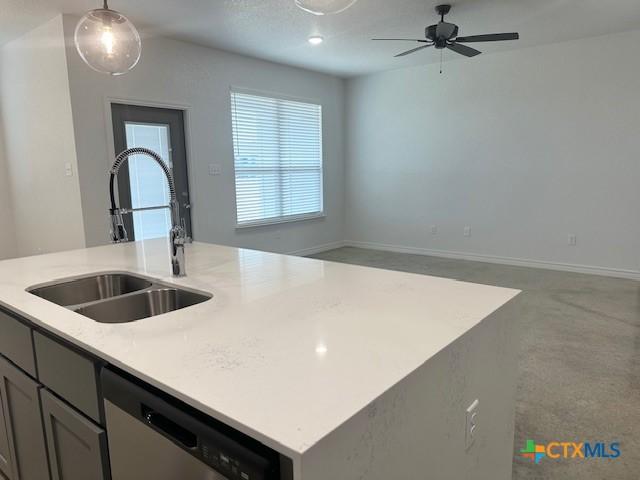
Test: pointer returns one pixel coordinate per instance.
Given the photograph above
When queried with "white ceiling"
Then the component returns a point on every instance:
(277, 30)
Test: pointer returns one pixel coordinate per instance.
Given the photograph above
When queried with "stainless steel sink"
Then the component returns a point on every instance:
(141, 305)
(119, 297)
(91, 289)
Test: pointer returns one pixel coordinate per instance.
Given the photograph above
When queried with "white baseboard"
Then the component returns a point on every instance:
(519, 262)
(317, 249)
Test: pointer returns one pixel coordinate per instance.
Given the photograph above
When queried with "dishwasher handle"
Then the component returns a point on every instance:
(169, 428)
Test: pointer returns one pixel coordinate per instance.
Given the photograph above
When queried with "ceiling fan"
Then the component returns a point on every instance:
(445, 35)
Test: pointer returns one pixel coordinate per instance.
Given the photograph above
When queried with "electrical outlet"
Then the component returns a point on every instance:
(434, 229)
(471, 424)
(215, 169)
(68, 169)
(572, 240)
(467, 231)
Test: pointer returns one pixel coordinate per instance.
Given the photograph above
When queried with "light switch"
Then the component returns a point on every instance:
(68, 169)
(215, 169)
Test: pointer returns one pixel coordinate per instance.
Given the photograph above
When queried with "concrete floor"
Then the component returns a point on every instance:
(579, 364)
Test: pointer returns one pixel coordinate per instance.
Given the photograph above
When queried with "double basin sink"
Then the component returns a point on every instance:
(118, 297)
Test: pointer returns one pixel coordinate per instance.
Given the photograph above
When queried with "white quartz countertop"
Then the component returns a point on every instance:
(287, 349)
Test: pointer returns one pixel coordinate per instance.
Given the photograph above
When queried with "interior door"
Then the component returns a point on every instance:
(142, 184)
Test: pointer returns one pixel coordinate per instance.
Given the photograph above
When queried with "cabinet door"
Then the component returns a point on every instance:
(77, 446)
(23, 420)
(5, 452)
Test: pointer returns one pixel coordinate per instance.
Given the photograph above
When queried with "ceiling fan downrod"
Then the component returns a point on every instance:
(442, 10)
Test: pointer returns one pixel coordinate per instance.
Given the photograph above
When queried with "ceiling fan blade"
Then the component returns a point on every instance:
(408, 52)
(491, 37)
(464, 50)
(401, 39)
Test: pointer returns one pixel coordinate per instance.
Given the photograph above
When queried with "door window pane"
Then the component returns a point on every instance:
(147, 180)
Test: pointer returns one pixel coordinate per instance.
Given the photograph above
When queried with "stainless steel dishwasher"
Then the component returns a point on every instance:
(153, 436)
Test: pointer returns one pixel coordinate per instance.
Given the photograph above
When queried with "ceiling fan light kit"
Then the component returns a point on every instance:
(107, 41)
(445, 35)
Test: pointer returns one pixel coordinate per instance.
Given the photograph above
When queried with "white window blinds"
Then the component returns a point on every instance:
(277, 148)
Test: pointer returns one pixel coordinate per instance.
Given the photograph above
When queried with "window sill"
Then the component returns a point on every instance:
(276, 221)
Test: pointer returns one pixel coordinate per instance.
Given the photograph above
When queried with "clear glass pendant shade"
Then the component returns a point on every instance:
(107, 41)
(324, 7)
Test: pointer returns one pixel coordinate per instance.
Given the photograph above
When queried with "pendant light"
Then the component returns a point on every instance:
(324, 7)
(107, 41)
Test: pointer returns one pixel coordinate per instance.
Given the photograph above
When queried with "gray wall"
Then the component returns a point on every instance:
(7, 232)
(526, 147)
(198, 78)
(38, 136)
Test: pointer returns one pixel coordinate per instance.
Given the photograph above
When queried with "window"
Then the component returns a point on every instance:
(147, 182)
(277, 148)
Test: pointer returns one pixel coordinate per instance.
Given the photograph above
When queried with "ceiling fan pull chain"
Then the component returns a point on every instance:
(441, 54)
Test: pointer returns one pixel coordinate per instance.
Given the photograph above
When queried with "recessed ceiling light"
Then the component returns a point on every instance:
(315, 40)
(321, 349)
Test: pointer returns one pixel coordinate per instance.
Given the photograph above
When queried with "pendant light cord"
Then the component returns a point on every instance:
(105, 6)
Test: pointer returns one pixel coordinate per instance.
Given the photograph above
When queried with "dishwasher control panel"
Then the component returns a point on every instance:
(233, 466)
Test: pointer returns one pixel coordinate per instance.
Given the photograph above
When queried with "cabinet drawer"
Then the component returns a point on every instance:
(16, 343)
(69, 374)
(77, 447)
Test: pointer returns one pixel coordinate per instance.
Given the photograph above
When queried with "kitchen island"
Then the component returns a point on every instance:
(350, 372)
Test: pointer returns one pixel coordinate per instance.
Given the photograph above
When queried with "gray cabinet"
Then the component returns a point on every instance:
(23, 424)
(77, 446)
(42, 383)
(6, 466)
